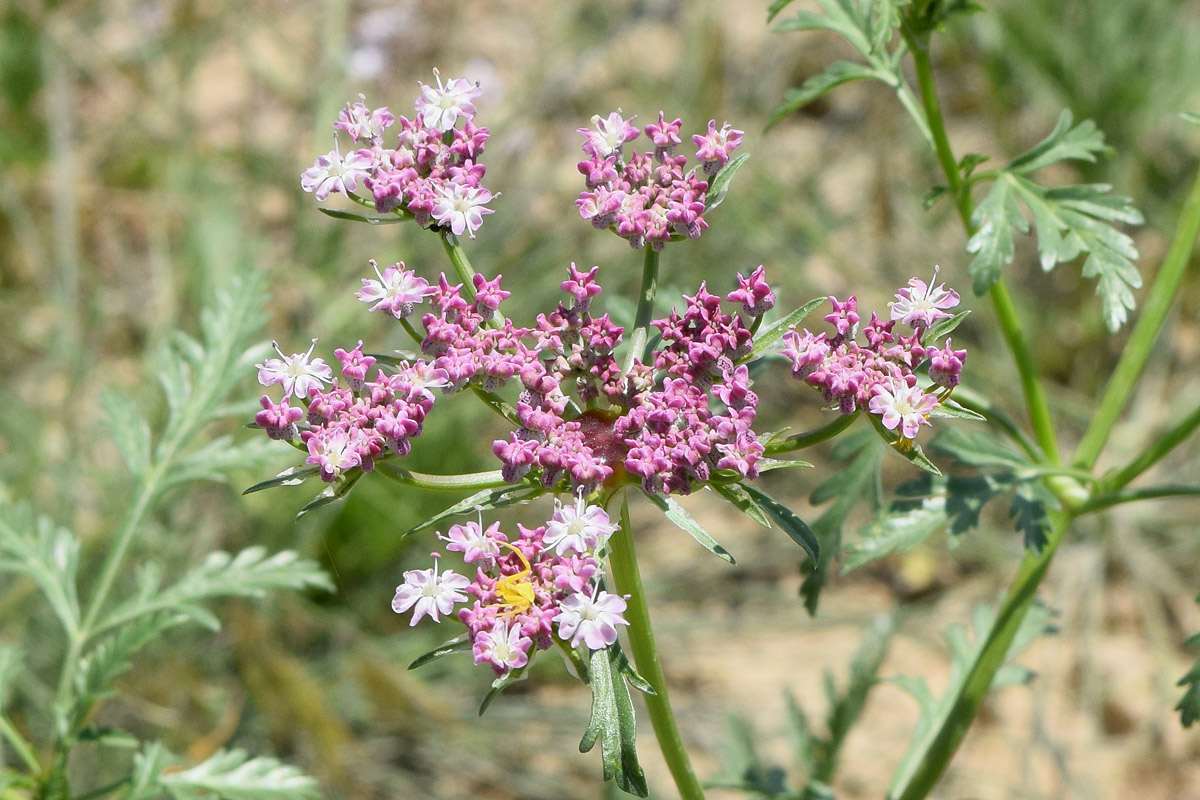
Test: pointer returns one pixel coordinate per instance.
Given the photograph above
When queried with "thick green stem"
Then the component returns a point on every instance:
(1152, 454)
(1012, 612)
(1006, 313)
(628, 580)
(1145, 332)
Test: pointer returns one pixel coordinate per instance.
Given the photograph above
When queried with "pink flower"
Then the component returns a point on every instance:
(902, 406)
(591, 620)
(333, 173)
(333, 450)
(714, 147)
(441, 107)
(461, 207)
(504, 647)
(920, 304)
(428, 594)
(398, 290)
(578, 527)
(297, 374)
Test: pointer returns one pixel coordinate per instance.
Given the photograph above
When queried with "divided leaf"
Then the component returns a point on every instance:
(1189, 704)
(49, 555)
(232, 775)
(613, 722)
(128, 431)
(1070, 221)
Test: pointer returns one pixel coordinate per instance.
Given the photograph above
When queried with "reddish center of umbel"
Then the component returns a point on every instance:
(596, 425)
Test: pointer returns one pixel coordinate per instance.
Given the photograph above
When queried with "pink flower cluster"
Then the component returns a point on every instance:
(660, 424)
(349, 426)
(544, 582)
(648, 197)
(433, 171)
(881, 375)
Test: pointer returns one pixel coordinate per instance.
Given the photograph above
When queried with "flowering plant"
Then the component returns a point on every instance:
(664, 406)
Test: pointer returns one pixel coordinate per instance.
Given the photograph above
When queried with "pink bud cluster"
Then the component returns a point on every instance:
(543, 583)
(881, 376)
(432, 172)
(648, 196)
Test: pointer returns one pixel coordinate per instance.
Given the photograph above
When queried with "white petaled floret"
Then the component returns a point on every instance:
(441, 107)
(428, 594)
(591, 619)
(473, 541)
(334, 173)
(904, 407)
(299, 373)
(397, 291)
(579, 527)
(504, 646)
(461, 207)
(920, 305)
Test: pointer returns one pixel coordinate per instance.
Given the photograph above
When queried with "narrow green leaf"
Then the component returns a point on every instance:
(719, 186)
(233, 775)
(950, 408)
(292, 476)
(768, 337)
(499, 685)
(11, 661)
(128, 431)
(776, 7)
(678, 515)
(836, 74)
(1186, 116)
(1189, 704)
(912, 452)
(737, 496)
(332, 492)
(944, 327)
(458, 645)
(796, 528)
(612, 721)
(481, 501)
(631, 675)
(352, 217)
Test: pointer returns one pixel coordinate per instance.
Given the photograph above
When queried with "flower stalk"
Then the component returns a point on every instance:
(624, 567)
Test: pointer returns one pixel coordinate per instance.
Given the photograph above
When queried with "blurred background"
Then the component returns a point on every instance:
(148, 150)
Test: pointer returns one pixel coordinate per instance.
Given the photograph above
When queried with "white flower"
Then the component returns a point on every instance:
(503, 646)
(332, 173)
(296, 372)
(920, 304)
(591, 620)
(427, 594)
(577, 527)
(473, 542)
(460, 207)
(397, 291)
(441, 107)
(903, 407)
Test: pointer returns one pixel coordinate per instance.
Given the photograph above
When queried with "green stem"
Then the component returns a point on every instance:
(443, 483)
(800, 441)
(1152, 454)
(645, 308)
(19, 745)
(462, 265)
(958, 720)
(628, 580)
(1145, 332)
(1103, 501)
(1006, 312)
